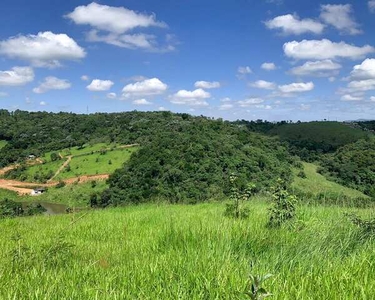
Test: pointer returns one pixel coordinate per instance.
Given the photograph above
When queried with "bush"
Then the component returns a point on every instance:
(284, 205)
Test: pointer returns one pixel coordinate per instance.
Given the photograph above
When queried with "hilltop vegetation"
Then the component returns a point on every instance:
(354, 166)
(194, 161)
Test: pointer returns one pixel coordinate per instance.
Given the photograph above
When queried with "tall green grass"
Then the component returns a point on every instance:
(184, 252)
(3, 144)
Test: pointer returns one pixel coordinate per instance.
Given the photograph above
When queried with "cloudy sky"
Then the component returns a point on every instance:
(245, 59)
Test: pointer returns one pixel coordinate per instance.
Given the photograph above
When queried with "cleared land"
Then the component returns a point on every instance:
(184, 252)
(316, 186)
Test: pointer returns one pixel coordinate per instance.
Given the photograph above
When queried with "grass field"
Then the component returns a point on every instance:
(87, 149)
(184, 252)
(87, 161)
(75, 195)
(316, 185)
(97, 163)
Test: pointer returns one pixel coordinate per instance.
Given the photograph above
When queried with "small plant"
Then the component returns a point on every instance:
(110, 162)
(255, 289)
(60, 184)
(235, 208)
(365, 226)
(284, 205)
(302, 174)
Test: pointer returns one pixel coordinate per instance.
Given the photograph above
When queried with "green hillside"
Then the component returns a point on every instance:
(312, 138)
(315, 188)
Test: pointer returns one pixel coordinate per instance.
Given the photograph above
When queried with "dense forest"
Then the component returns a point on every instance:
(186, 158)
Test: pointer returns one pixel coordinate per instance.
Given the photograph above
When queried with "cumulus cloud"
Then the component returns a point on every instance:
(147, 87)
(42, 103)
(325, 49)
(98, 85)
(16, 76)
(268, 66)
(262, 84)
(111, 95)
(45, 49)
(292, 24)
(348, 97)
(361, 85)
(371, 5)
(366, 70)
(141, 102)
(372, 98)
(321, 68)
(340, 17)
(85, 78)
(112, 25)
(52, 83)
(207, 84)
(296, 87)
(250, 102)
(192, 98)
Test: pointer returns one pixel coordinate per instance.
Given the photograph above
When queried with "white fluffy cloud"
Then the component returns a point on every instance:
(372, 98)
(325, 49)
(250, 102)
(348, 97)
(366, 70)
(340, 17)
(207, 84)
(113, 19)
(147, 87)
(268, 66)
(45, 49)
(85, 78)
(192, 98)
(112, 25)
(16, 76)
(296, 87)
(43, 103)
(292, 24)
(98, 85)
(371, 5)
(111, 95)
(262, 84)
(361, 85)
(141, 102)
(52, 83)
(321, 68)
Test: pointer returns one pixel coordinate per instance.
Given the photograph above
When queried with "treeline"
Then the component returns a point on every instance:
(353, 165)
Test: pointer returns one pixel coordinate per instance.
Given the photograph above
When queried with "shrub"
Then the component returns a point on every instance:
(284, 205)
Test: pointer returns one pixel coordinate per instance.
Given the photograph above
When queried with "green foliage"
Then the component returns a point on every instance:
(192, 161)
(10, 209)
(238, 197)
(54, 156)
(60, 184)
(354, 166)
(256, 291)
(367, 227)
(284, 205)
(302, 174)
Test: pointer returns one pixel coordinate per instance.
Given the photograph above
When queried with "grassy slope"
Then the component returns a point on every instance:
(183, 252)
(78, 151)
(97, 163)
(76, 195)
(2, 144)
(85, 164)
(316, 183)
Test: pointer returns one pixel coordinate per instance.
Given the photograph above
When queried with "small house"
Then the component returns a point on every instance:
(38, 191)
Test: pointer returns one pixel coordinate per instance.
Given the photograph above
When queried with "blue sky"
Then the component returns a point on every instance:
(246, 59)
